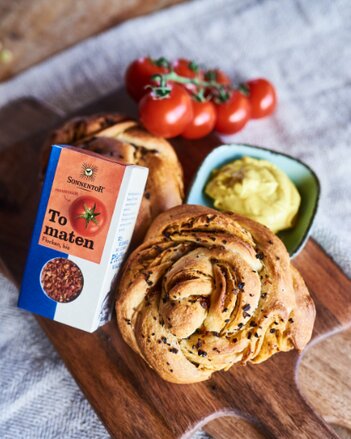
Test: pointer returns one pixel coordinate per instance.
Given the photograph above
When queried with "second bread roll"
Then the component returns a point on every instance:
(125, 140)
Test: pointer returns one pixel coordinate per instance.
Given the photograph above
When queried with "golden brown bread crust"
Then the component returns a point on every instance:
(122, 138)
(207, 290)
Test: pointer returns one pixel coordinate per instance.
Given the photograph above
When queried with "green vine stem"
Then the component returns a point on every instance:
(162, 89)
(173, 76)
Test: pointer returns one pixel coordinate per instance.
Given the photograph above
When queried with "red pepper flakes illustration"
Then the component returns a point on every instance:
(62, 280)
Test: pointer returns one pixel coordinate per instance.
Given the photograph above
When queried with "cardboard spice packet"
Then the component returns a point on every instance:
(84, 224)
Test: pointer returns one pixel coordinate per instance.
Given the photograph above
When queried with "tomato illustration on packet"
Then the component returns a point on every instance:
(87, 215)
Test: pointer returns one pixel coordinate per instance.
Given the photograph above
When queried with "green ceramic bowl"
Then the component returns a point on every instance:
(303, 177)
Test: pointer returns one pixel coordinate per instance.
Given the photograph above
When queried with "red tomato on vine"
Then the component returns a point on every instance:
(262, 97)
(166, 116)
(139, 73)
(203, 122)
(219, 76)
(188, 69)
(233, 114)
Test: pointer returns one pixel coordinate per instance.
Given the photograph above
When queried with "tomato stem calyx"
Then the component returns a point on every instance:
(89, 215)
(193, 66)
(199, 96)
(161, 90)
(222, 95)
(162, 62)
(244, 89)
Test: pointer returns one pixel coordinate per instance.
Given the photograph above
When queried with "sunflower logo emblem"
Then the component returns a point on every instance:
(88, 171)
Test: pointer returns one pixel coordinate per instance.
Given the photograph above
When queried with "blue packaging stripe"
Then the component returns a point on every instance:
(32, 296)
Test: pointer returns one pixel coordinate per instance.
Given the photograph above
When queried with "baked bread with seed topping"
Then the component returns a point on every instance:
(207, 290)
(116, 136)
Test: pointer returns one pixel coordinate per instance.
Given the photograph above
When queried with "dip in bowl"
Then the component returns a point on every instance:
(299, 173)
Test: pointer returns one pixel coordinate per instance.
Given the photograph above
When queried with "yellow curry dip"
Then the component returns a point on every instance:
(256, 189)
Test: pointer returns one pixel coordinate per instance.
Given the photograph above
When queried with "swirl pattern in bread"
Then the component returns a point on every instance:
(207, 290)
(115, 136)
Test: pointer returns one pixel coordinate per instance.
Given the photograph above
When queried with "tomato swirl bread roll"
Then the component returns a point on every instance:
(116, 136)
(207, 290)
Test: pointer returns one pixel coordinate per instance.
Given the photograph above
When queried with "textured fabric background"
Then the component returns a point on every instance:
(304, 47)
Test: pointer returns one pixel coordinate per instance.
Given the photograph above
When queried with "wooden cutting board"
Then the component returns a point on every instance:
(132, 401)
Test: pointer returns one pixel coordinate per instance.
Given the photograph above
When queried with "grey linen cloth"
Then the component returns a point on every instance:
(303, 47)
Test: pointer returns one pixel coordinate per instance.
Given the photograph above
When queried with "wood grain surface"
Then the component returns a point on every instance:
(132, 401)
(31, 31)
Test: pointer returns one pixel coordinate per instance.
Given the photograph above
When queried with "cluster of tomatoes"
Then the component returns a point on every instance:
(180, 98)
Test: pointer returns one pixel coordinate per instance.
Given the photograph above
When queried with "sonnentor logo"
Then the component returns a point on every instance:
(88, 171)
